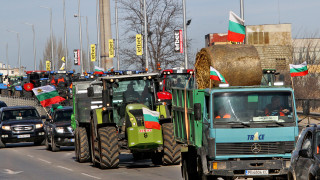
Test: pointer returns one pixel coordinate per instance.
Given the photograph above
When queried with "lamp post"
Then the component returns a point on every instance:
(7, 59)
(185, 35)
(80, 34)
(50, 35)
(117, 34)
(98, 32)
(19, 57)
(34, 45)
(65, 33)
(87, 33)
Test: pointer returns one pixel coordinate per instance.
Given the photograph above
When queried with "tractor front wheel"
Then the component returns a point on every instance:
(83, 148)
(171, 149)
(109, 148)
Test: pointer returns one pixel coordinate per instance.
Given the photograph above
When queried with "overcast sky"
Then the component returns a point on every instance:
(208, 16)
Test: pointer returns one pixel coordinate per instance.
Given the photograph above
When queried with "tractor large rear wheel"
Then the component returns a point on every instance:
(171, 149)
(83, 148)
(109, 148)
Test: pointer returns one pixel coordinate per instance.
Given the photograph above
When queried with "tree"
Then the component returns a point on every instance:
(163, 17)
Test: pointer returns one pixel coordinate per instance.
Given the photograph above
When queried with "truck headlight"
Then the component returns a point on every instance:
(7, 128)
(59, 129)
(38, 126)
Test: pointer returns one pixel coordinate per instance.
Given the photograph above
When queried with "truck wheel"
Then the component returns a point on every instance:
(109, 147)
(84, 152)
(54, 147)
(95, 150)
(171, 149)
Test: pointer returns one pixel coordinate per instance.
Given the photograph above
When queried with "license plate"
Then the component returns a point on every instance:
(257, 172)
(147, 130)
(24, 136)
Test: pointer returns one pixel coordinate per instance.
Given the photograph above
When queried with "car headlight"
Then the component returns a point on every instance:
(59, 129)
(39, 126)
(7, 128)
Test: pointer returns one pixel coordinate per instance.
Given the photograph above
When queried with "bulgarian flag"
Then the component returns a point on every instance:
(151, 119)
(96, 68)
(215, 75)
(299, 70)
(236, 31)
(47, 95)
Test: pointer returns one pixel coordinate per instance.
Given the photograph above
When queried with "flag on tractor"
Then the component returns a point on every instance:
(299, 70)
(236, 30)
(151, 119)
(215, 75)
(47, 95)
(96, 68)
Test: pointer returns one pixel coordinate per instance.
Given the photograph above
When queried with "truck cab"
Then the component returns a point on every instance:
(236, 131)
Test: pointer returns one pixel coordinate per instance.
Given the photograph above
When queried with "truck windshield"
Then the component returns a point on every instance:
(253, 107)
(133, 91)
(20, 114)
(178, 80)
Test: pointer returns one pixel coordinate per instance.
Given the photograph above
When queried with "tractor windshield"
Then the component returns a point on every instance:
(253, 107)
(177, 80)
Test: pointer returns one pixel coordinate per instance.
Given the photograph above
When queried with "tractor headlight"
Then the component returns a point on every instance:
(59, 129)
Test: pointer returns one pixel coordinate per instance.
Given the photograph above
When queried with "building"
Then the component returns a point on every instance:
(12, 71)
(216, 38)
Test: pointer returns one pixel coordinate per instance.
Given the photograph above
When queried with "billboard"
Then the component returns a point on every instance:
(139, 44)
(93, 52)
(111, 48)
(76, 54)
(48, 66)
(178, 43)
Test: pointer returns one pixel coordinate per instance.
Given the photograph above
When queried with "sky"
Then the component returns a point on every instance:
(208, 16)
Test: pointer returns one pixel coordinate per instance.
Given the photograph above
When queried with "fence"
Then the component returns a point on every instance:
(20, 101)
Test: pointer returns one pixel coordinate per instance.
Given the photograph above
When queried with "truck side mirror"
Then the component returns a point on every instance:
(197, 111)
(90, 92)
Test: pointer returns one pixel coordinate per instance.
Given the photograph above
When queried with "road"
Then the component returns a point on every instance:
(27, 162)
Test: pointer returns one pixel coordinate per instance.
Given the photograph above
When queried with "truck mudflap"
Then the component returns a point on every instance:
(249, 168)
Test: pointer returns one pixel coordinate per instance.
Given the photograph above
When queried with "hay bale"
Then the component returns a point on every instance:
(239, 64)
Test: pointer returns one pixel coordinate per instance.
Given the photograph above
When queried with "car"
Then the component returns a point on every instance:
(305, 158)
(20, 124)
(3, 104)
(58, 131)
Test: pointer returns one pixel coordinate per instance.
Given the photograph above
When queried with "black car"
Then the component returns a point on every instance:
(305, 159)
(58, 131)
(20, 124)
(2, 104)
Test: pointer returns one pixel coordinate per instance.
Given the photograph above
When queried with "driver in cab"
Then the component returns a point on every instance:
(222, 114)
(130, 94)
(275, 108)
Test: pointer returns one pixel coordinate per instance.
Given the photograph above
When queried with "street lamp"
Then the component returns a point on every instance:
(19, 57)
(80, 34)
(185, 35)
(50, 34)
(65, 33)
(34, 45)
(88, 48)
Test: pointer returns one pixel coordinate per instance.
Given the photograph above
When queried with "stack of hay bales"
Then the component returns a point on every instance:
(239, 64)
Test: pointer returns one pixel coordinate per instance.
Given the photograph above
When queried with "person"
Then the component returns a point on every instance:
(179, 84)
(275, 108)
(222, 114)
(145, 95)
(130, 94)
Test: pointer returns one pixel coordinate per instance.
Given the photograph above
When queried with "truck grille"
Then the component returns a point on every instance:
(254, 148)
(24, 128)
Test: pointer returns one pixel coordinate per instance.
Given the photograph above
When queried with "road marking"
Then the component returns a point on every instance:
(90, 176)
(64, 168)
(8, 171)
(45, 161)
(31, 156)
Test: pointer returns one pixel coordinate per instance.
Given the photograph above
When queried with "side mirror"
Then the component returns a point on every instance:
(305, 153)
(197, 111)
(90, 92)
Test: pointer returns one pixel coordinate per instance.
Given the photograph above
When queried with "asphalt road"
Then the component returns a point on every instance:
(24, 161)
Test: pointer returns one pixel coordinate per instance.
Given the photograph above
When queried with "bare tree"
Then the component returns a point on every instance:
(163, 17)
(58, 53)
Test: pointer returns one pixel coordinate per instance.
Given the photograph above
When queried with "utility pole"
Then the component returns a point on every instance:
(241, 10)
(80, 38)
(105, 33)
(98, 33)
(145, 34)
(185, 35)
(117, 34)
(65, 33)
(7, 59)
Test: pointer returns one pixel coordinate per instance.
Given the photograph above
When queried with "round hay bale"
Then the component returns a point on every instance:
(239, 64)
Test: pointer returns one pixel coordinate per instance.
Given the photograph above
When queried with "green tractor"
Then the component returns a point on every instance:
(109, 116)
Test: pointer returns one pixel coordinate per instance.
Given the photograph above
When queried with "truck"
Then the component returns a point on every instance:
(3, 86)
(108, 116)
(230, 131)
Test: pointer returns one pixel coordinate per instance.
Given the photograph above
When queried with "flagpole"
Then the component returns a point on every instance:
(292, 83)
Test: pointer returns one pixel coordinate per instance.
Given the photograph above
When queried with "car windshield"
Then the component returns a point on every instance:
(63, 116)
(253, 107)
(20, 114)
(178, 80)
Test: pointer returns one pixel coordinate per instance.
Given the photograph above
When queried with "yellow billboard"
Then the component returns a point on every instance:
(139, 44)
(48, 66)
(111, 48)
(93, 52)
